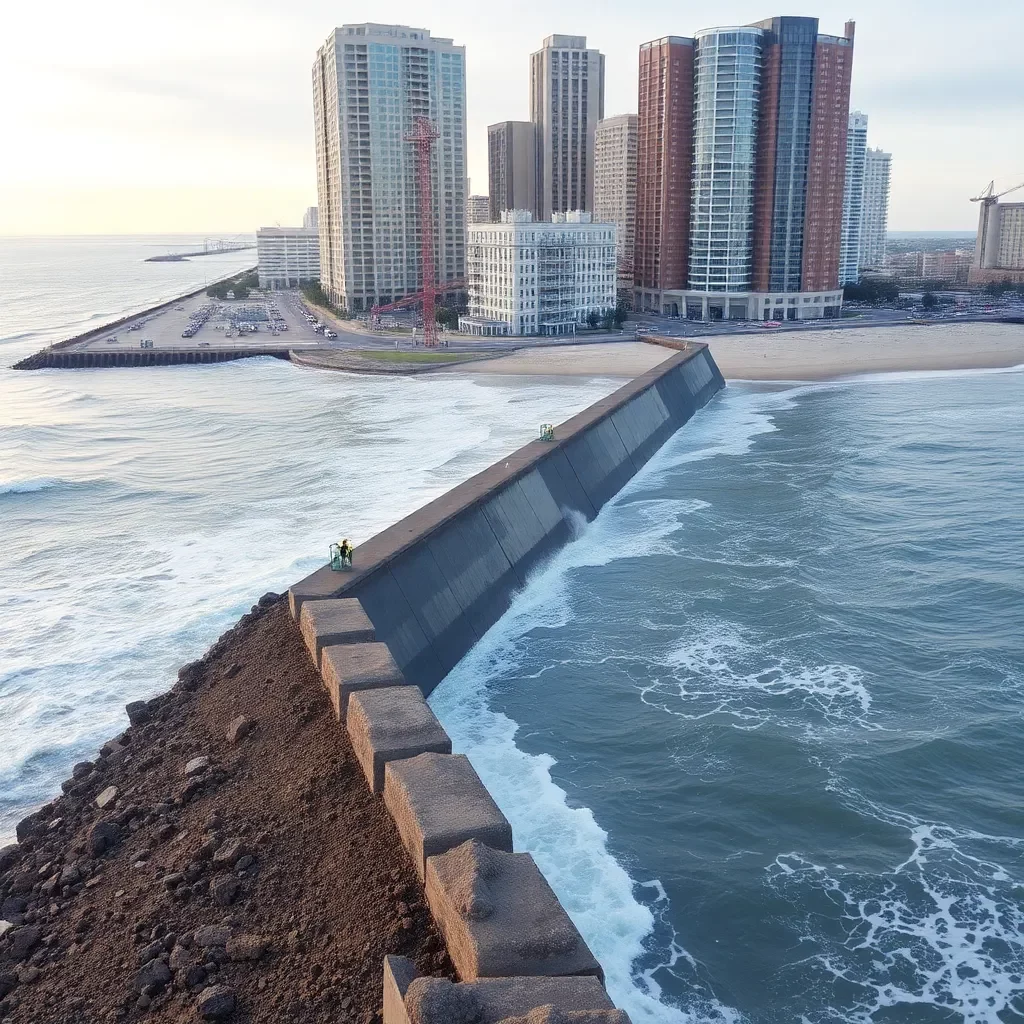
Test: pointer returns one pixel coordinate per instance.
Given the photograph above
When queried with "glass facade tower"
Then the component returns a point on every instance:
(725, 115)
(370, 83)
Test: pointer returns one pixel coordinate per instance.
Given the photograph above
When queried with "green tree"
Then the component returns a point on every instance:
(593, 318)
(929, 301)
(872, 290)
(620, 313)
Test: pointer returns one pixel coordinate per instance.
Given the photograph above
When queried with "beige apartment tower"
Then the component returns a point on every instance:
(512, 167)
(370, 83)
(615, 148)
(566, 102)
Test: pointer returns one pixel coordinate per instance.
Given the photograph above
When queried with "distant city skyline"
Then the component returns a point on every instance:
(197, 118)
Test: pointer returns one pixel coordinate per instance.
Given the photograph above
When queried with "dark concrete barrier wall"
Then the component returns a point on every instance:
(435, 582)
(65, 360)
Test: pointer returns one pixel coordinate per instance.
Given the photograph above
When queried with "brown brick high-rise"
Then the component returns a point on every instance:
(664, 164)
(826, 171)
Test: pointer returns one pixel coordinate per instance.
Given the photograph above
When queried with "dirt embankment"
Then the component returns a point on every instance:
(238, 869)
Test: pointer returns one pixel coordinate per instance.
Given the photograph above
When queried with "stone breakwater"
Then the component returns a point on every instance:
(425, 590)
(435, 582)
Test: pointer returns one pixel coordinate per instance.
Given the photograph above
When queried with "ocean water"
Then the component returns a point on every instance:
(762, 723)
(143, 510)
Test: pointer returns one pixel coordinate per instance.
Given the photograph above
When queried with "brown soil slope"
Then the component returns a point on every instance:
(263, 885)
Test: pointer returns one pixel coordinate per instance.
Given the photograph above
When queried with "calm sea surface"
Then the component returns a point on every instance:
(761, 724)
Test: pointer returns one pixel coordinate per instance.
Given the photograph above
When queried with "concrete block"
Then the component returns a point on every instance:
(500, 918)
(397, 625)
(439, 613)
(477, 570)
(334, 621)
(410, 998)
(600, 461)
(392, 724)
(398, 974)
(347, 668)
(438, 802)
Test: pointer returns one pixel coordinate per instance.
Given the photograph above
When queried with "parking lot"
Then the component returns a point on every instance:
(262, 320)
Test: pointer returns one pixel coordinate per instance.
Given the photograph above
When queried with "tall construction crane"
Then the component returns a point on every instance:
(989, 194)
(423, 136)
(986, 249)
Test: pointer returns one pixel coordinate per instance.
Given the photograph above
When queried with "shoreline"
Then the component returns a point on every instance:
(801, 356)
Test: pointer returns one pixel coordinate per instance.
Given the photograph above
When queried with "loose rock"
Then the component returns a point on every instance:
(103, 836)
(216, 1002)
(156, 974)
(212, 935)
(24, 940)
(197, 766)
(239, 728)
(108, 796)
(228, 852)
(138, 712)
(224, 889)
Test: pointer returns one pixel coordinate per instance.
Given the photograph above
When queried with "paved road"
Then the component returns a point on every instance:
(164, 329)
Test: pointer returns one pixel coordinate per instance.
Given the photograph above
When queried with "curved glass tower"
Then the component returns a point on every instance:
(727, 91)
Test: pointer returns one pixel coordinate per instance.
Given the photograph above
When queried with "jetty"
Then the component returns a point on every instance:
(216, 249)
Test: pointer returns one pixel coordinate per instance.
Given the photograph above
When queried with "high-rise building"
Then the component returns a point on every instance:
(287, 257)
(768, 121)
(853, 198)
(615, 188)
(530, 277)
(512, 167)
(661, 249)
(478, 209)
(370, 83)
(566, 102)
(875, 228)
(727, 93)
(999, 250)
(310, 219)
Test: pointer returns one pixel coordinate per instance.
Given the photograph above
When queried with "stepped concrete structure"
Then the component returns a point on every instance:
(386, 632)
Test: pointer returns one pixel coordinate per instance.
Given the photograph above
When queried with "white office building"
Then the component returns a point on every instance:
(874, 231)
(539, 277)
(370, 84)
(566, 102)
(287, 257)
(310, 218)
(615, 152)
(853, 198)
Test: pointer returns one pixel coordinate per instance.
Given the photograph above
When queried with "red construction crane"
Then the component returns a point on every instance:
(412, 300)
(423, 137)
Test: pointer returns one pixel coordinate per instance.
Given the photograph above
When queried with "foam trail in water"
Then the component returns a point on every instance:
(567, 842)
(943, 928)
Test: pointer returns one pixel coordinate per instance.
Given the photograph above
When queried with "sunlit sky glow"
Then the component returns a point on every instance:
(181, 115)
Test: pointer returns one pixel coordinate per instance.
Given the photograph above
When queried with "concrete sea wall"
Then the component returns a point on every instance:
(62, 359)
(384, 635)
(435, 582)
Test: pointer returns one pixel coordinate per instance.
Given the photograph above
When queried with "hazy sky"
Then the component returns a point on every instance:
(196, 115)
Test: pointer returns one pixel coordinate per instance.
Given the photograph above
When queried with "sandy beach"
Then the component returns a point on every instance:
(807, 355)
